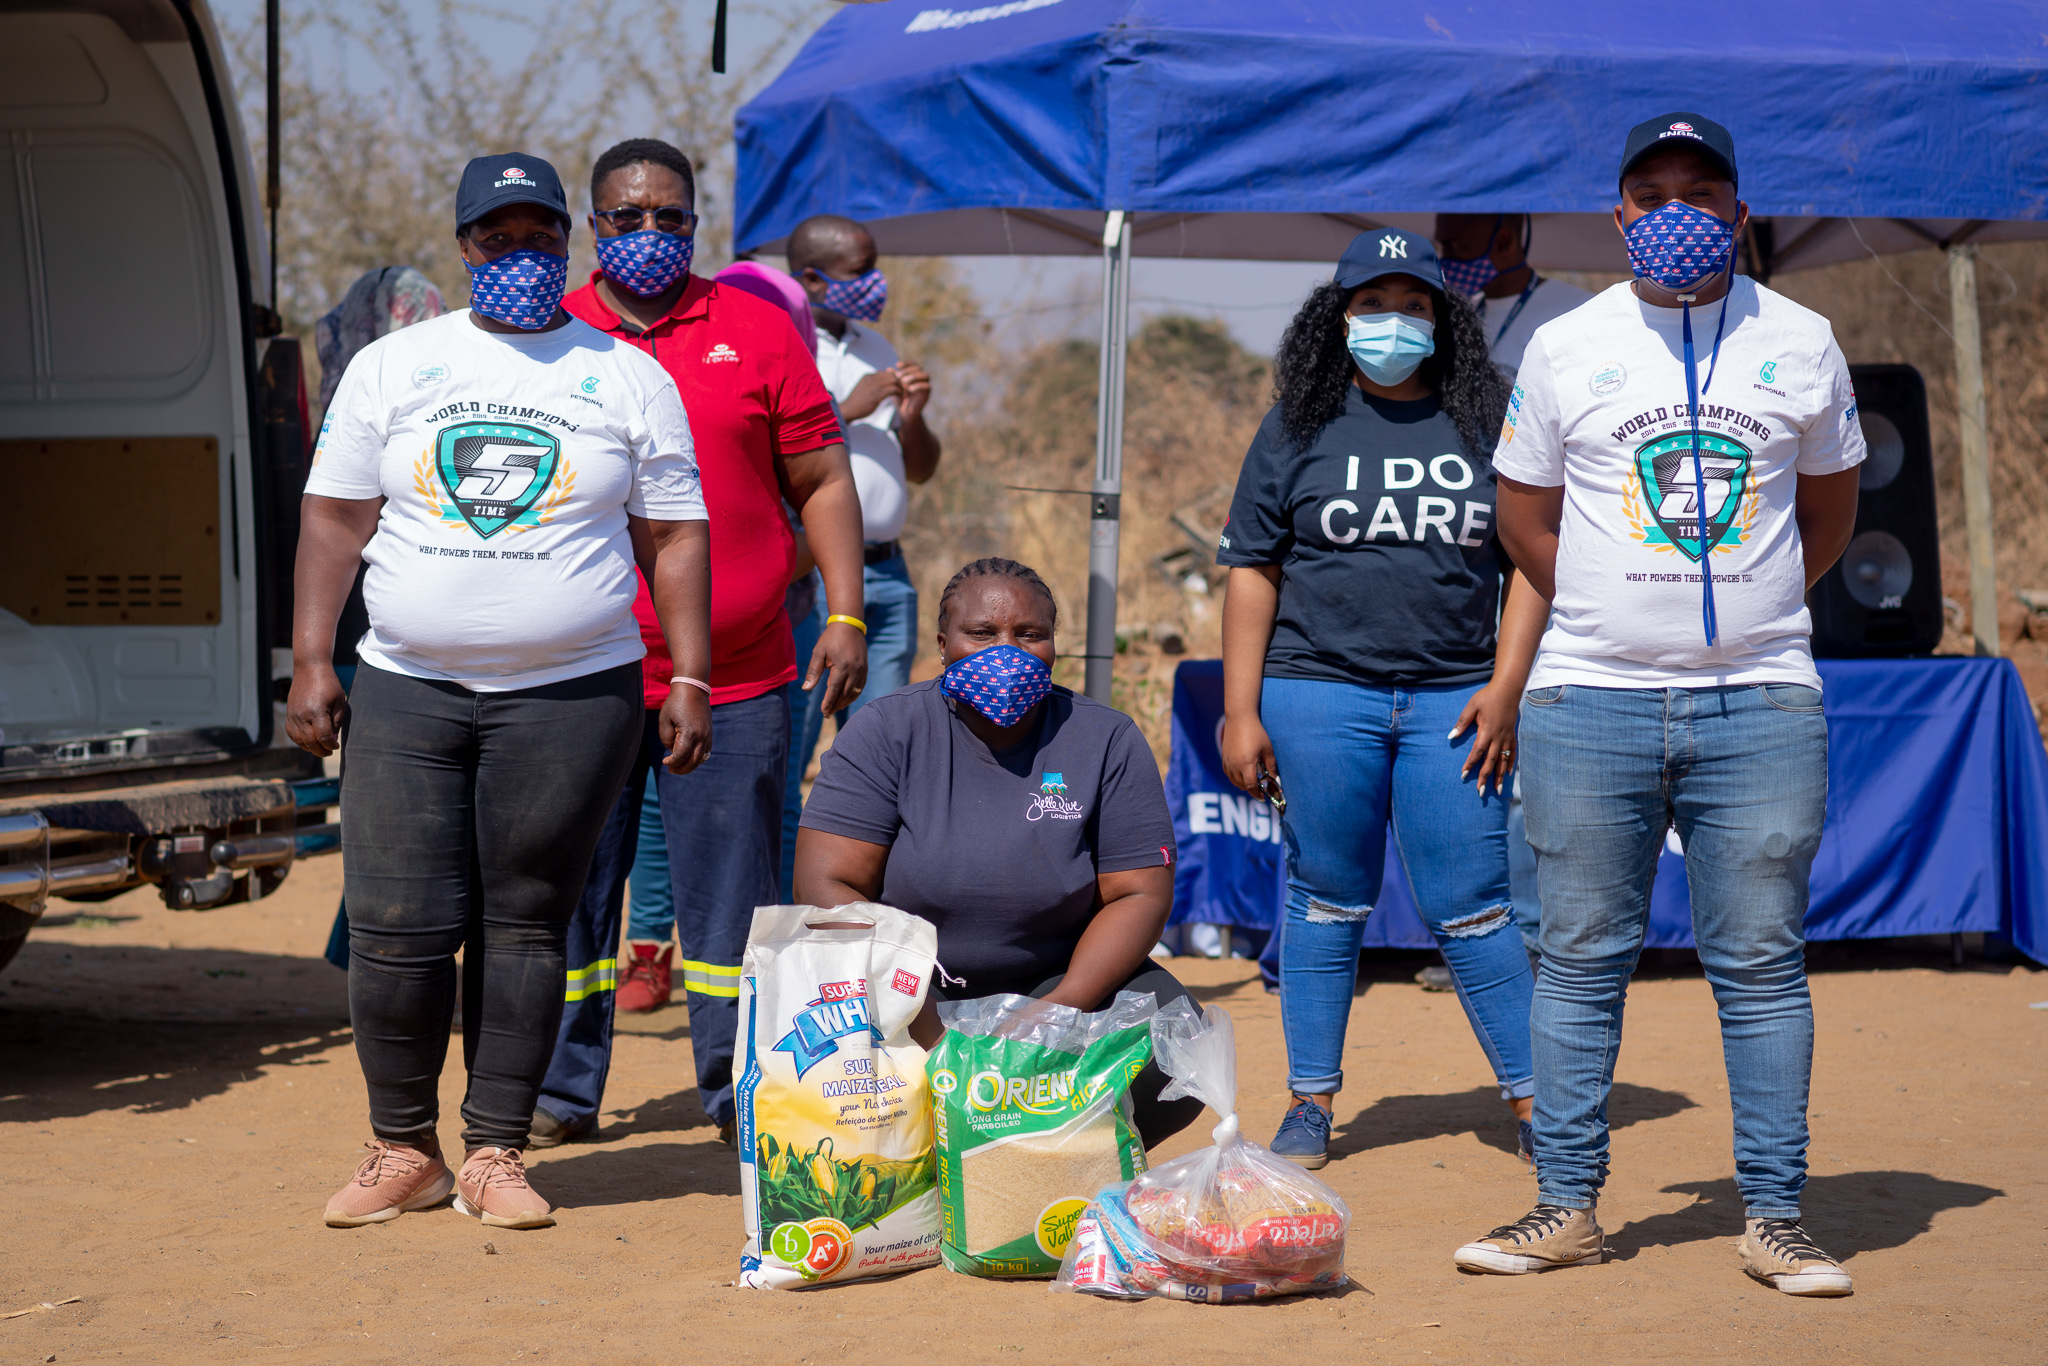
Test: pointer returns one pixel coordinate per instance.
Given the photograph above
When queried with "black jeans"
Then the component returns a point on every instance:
(471, 821)
(1157, 1120)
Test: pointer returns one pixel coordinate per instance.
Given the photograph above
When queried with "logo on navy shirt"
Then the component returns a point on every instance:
(1051, 802)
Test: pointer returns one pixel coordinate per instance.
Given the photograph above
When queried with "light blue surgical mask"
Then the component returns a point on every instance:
(1388, 346)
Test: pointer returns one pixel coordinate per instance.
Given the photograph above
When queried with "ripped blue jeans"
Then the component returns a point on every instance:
(1352, 758)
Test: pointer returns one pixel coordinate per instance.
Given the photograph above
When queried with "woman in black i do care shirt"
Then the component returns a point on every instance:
(1360, 647)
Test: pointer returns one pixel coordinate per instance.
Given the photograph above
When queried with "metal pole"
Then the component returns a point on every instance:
(273, 118)
(1976, 435)
(1106, 493)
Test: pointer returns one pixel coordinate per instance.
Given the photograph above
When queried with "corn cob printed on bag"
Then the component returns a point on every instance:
(1221, 1225)
(1031, 1112)
(835, 1134)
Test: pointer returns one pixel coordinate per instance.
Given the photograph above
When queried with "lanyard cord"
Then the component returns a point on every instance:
(1516, 312)
(1699, 478)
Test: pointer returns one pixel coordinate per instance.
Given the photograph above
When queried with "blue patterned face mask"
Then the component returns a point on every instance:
(1678, 247)
(522, 287)
(646, 262)
(1470, 274)
(1001, 682)
(1388, 346)
(861, 297)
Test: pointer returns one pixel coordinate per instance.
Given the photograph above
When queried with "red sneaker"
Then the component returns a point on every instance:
(646, 982)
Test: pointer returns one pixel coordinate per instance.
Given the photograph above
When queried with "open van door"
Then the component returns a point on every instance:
(153, 446)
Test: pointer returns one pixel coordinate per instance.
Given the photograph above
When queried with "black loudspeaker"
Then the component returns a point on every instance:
(1884, 596)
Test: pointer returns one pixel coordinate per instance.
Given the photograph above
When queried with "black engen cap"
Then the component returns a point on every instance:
(1388, 251)
(1703, 135)
(507, 178)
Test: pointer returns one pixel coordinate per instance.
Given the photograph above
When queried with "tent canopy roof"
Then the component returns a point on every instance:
(1279, 129)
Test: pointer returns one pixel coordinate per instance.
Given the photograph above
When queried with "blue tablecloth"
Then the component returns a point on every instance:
(1937, 815)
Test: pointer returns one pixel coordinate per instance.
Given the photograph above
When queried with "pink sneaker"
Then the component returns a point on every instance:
(392, 1179)
(493, 1188)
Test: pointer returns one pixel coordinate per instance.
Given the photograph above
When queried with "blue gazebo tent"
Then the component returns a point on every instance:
(1278, 130)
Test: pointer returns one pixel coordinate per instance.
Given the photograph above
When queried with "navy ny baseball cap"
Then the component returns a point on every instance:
(507, 178)
(1703, 135)
(1388, 251)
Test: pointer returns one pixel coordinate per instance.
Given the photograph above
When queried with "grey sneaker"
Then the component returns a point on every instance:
(1547, 1237)
(1525, 1142)
(1778, 1253)
(1436, 977)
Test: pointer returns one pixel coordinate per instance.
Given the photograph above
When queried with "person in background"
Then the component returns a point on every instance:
(380, 302)
(497, 706)
(764, 428)
(882, 401)
(1026, 823)
(1360, 647)
(1675, 687)
(1485, 257)
(646, 982)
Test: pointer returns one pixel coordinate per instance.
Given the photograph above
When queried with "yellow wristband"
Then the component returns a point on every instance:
(855, 622)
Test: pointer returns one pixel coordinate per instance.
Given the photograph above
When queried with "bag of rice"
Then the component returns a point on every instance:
(835, 1135)
(1221, 1225)
(1032, 1115)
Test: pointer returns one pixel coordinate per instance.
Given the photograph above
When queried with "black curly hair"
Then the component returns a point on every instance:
(1313, 370)
(994, 567)
(632, 152)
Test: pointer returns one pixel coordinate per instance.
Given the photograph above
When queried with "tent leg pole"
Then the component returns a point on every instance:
(1106, 493)
(1976, 441)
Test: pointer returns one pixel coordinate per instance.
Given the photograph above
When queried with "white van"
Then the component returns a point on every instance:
(152, 449)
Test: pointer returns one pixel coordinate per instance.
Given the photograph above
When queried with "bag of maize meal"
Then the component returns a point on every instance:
(1031, 1114)
(1222, 1225)
(835, 1136)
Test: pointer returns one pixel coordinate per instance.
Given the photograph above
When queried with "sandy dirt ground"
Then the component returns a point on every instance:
(179, 1096)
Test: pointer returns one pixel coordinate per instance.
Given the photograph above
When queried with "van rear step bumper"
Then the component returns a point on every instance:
(205, 842)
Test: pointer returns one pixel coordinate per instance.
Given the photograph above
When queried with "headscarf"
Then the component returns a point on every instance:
(777, 288)
(379, 302)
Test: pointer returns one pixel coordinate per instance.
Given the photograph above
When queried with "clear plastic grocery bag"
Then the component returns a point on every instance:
(1221, 1225)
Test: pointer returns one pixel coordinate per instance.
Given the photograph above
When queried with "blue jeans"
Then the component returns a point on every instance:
(1522, 869)
(650, 901)
(1353, 757)
(891, 615)
(1742, 772)
(806, 722)
(723, 828)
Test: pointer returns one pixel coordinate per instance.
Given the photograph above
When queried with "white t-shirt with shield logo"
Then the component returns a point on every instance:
(1600, 407)
(508, 464)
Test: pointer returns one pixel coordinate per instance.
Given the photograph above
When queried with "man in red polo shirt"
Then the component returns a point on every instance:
(765, 432)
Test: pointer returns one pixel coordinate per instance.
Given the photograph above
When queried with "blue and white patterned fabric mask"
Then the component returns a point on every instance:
(1678, 247)
(646, 262)
(1001, 682)
(1388, 346)
(523, 287)
(861, 297)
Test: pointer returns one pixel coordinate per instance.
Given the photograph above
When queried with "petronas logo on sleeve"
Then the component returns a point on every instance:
(496, 471)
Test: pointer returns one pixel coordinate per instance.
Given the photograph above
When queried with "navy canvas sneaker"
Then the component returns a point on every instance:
(1304, 1137)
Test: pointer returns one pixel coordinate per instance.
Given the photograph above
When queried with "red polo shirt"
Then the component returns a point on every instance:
(753, 394)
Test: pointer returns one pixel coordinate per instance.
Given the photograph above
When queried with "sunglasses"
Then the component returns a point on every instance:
(669, 220)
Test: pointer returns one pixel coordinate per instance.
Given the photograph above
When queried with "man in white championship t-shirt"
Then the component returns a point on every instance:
(1677, 467)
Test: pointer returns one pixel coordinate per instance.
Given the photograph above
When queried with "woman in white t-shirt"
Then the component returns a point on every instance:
(501, 470)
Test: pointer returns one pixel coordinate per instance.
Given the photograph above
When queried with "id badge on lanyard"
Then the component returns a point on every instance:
(1693, 390)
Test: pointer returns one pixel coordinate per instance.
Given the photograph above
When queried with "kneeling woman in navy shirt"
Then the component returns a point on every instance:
(1024, 821)
(1360, 648)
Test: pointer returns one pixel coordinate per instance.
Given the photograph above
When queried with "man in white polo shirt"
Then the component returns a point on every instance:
(1485, 257)
(881, 402)
(1677, 467)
